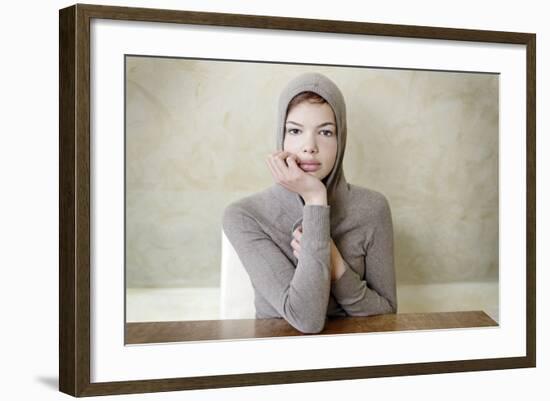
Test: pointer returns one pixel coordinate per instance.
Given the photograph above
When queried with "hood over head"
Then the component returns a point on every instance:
(324, 87)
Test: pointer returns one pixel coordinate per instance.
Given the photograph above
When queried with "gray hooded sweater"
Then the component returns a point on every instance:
(358, 220)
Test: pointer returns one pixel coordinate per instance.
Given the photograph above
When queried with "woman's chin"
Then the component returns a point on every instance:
(320, 177)
(315, 174)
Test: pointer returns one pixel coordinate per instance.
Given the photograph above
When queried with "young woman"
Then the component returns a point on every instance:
(314, 245)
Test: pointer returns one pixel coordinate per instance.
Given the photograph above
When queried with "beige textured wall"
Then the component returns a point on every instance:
(197, 133)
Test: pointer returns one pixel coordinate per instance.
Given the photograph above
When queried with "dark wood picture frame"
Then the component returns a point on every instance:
(74, 199)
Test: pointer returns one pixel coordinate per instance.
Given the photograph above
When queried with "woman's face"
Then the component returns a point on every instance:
(310, 133)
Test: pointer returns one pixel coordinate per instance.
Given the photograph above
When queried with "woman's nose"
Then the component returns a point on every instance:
(310, 145)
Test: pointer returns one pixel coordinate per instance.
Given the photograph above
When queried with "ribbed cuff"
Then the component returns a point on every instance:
(316, 223)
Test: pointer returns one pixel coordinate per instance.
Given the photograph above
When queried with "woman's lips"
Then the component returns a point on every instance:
(310, 166)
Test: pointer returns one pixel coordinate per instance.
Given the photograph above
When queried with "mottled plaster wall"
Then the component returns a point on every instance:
(197, 133)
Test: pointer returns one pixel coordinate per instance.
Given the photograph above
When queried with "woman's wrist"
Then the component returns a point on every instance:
(318, 198)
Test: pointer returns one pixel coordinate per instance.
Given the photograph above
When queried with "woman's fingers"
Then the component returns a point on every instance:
(295, 243)
(282, 172)
(283, 156)
(277, 168)
(280, 162)
(278, 165)
(287, 164)
(286, 172)
(280, 154)
(298, 233)
(296, 252)
(292, 162)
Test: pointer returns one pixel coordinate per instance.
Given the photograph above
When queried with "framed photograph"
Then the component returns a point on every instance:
(250, 200)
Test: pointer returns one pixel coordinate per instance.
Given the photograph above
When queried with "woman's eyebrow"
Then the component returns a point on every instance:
(320, 125)
(292, 122)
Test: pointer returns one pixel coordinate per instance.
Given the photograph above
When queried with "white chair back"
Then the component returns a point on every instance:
(236, 291)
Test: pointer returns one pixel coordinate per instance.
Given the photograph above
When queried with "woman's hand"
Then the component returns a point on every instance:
(286, 172)
(295, 243)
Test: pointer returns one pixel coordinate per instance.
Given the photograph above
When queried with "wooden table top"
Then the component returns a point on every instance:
(201, 330)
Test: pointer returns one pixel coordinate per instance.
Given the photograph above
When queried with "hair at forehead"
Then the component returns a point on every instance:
(308, 96)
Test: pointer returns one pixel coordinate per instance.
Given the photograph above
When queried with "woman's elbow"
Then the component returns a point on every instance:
(307, 322)
(304, 317)
(312, 326)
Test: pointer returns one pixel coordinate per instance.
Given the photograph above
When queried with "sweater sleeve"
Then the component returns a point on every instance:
(299, 294)
(377, 293)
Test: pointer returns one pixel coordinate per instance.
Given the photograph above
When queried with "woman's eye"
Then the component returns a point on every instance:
(292, 131)
(326, 132)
